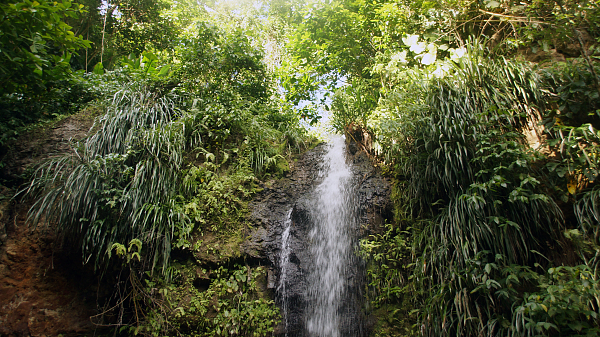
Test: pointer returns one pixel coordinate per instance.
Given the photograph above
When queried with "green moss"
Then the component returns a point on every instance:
(391, 321)
(210, 248)
(283, 167)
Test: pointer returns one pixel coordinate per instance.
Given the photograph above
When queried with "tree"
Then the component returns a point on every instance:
(36, 44)
(120, 28)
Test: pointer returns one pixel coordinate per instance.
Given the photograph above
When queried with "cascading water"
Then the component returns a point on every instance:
(330, 311)
(320, 277)
(284, 259)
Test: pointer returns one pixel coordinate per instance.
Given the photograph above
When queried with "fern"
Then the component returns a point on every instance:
(120, 183)
(456, 141)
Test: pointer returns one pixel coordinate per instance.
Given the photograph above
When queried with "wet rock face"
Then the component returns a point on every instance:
(269, 213)
(373, 194)
(270, 207)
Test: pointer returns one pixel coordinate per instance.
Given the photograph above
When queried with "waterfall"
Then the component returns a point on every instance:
(320, 277)
(284, 259)
(329, 312)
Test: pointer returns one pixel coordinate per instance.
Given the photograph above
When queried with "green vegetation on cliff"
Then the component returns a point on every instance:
(485, 114)
(157, 192)
(494, 158)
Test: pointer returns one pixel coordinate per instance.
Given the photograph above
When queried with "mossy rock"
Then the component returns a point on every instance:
(210, 248)
(283, 167)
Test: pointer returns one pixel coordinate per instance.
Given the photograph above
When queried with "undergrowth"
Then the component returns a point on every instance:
(478, 212)
(169, 167)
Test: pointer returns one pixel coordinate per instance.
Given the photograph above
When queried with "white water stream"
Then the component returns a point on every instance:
(333, 217)
(284, 263)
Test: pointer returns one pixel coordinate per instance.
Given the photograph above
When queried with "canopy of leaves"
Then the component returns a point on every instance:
(122, 28)
(36, 44)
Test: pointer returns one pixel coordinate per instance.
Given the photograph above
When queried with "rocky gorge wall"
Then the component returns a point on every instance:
(44, 289)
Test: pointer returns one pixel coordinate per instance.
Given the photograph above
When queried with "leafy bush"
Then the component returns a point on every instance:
(231, 305)
(121, 183)
(565, 305)
(475, 201)
(36, 44)
(219, 200)
(353, 104)
(389, 290)
(215, 64)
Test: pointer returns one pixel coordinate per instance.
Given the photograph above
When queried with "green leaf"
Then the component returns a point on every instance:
(164, 70)
(98, 69)
(577, 326)
(561, 171)
(552, 166)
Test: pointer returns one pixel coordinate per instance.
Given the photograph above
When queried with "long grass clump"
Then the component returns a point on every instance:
(455, 141)
(121, 182)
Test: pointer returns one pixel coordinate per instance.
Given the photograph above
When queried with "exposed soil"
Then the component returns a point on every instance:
(44, 289)
(41, 143)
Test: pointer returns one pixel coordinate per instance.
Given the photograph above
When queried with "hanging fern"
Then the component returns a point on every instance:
(456, 142)
(120, 183)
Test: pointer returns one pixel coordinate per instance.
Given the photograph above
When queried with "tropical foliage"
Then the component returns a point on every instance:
(232, 305)
(173, 157)
(36, 48)
(493, 158)
(36, 44)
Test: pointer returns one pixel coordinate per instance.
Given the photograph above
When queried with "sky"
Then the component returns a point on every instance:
(105, 6)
